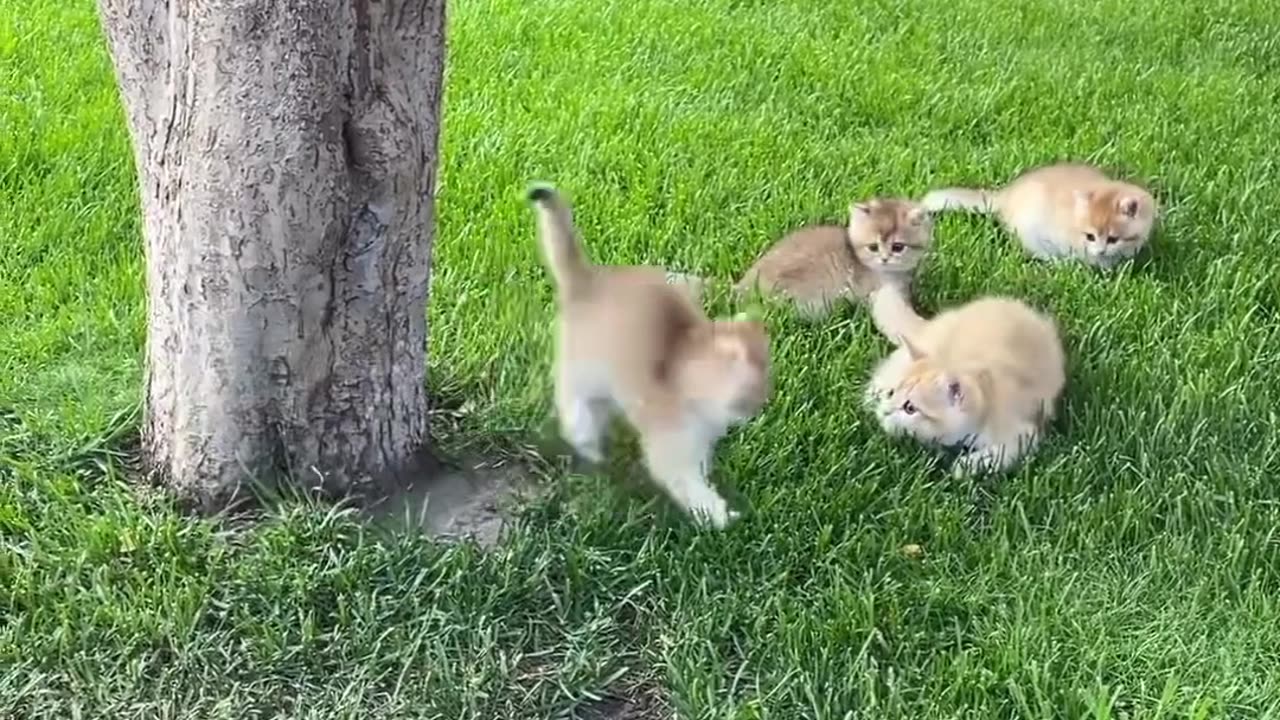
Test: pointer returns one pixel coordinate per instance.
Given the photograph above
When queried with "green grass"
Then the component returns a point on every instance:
(1132, 569)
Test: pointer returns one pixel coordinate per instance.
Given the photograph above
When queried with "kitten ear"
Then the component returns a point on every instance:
(969, 387)
(859, 209)
(914, 352)
(1083, 198)
(917, 215)
(1128, 206)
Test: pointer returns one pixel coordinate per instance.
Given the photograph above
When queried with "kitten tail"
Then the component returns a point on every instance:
(560, 246)
(965, 199)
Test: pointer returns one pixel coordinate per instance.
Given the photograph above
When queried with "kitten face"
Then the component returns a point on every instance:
(1114, 224)
(727, 377)
(890, 235)
(932, 405)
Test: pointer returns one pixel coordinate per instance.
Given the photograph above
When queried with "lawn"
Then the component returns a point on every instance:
(1131, 569)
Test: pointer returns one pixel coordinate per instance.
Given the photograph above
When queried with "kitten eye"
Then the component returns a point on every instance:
(897, 247)
(1090, 237)
(909, 408)
(1112, 239)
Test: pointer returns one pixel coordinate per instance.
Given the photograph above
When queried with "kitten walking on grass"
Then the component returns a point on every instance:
(630, 342)
(1064, 211)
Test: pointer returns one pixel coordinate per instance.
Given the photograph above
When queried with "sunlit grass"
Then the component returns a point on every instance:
(1129, 570)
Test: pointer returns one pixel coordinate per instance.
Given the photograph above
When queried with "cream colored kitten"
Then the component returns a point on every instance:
(984, 376)
(1064, 211)
(818, 265)
(630, 342)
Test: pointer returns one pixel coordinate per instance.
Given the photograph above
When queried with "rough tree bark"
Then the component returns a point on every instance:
(286, 154)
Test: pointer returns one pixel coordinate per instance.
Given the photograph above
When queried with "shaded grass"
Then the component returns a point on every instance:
(1129, 570)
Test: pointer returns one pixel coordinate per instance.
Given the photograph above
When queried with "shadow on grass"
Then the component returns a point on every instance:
(447, 495)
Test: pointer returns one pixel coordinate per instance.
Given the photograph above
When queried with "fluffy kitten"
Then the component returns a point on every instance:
(1064, 211)
(984, 376)
(630, 342)
(816, 266)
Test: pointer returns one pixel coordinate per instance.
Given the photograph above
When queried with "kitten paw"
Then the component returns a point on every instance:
(974, 463)
(590, 452)
(713, 511)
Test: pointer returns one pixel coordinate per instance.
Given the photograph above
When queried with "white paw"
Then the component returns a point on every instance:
(714, 511)
(974, 463)
(961, 468)
(590, 452)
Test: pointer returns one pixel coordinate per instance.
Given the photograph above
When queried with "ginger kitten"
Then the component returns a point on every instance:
(815, 266)
(630, 342)
(984, 376)
(1065, 211)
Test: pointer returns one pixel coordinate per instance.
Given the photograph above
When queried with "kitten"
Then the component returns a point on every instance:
(630, 342)
(817, 265)
(1064, 211)
(984, 376)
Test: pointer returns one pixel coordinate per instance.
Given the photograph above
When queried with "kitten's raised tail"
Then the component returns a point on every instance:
(966, 199)
(560, 246)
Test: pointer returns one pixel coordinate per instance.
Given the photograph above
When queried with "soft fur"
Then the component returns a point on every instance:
(632, 343)
(984, 376)
(884, 242)
(1064, 211)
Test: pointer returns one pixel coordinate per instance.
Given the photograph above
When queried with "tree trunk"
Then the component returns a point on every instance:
(286, 154)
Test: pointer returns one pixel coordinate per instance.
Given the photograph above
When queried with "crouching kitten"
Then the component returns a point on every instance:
(984, 377)
(817, 266)
(1064, 212)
